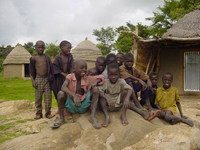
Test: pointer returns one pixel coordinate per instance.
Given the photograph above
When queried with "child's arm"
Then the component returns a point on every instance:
(127, 99)
(65, 89)
(180, 110)
(34, 84)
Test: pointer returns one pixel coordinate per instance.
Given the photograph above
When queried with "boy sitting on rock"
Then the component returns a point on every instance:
(80, 92)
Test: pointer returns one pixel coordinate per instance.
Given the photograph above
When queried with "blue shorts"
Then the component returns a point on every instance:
(81, 109)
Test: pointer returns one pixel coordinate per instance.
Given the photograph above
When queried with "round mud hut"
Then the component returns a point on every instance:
(87, 51)
(16, 63)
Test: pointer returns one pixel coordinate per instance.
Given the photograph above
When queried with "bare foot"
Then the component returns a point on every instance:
(124, 120)
(95, 123)
(188, 122)
(57, 123)
(146, 115)
(106, 122)
(154, 114)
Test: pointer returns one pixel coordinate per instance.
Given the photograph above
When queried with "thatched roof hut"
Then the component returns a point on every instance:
(88, 51)
(16, 63)
(177, 51)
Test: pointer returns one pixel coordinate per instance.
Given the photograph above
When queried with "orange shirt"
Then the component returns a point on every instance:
(86, 81)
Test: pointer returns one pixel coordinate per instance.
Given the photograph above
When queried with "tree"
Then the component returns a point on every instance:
(52, 50)
(106, 37)
(30, 47)
(124, 42)
(167, 15)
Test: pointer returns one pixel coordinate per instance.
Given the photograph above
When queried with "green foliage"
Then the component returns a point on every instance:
(124, 43)
(4, 51)
(52, 50)
(106, 38)
(169, 13)
(29, 46)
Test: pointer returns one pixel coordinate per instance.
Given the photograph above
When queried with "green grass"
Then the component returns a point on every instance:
(18, 89)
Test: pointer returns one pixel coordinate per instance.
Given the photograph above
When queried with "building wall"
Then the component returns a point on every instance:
(172, 60)
(11, 71)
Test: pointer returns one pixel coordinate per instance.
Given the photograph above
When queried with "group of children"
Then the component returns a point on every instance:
(113, 85)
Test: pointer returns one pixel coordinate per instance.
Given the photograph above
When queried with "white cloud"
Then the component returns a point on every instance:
(73, 20)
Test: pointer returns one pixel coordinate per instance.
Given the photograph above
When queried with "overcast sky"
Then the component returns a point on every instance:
(22, 21)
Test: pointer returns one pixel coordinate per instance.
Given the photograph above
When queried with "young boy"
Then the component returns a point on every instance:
(136, 78)
(152, 92)
(167, 100)
(80, 92)
(115, 94)
(62, 66)
(110, 58)
(100, 65)
(92, 72)
(41, 72)
(120, 58)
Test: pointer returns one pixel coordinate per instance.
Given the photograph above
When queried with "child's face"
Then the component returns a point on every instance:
(154, 80)
(167, 81)
(92, 72)
(111, 60)
(66, 49)
(120, 59)
(100, 65)
(40, 48)
(128, 62)
(81, 69)
(113, 75)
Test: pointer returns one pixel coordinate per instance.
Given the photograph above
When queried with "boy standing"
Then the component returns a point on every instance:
(62, 66)
(167, 99)
(41, 73)
(80, 91)
(115, 94)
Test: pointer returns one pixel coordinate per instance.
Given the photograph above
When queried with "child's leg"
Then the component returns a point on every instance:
(95, 97)
(123, 110)
(136, 101)
(145, 96)
(47, 100)
(174, 119)
(38, 103)
(143, 113)
(105, 111)
(38, 98)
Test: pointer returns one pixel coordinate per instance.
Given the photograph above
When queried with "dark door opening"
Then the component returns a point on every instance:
(26, 70)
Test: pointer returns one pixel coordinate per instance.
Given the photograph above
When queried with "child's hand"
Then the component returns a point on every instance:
(34, 84)
(111, 104)
(126, 103)
(144, 85)
(77, 101)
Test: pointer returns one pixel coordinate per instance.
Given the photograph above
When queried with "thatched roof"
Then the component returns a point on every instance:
(186, 27)
(86, 50)
(19, 55)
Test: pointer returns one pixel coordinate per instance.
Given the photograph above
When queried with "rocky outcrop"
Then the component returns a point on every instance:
(77, 133)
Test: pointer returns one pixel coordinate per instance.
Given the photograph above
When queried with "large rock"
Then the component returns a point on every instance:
(78, 134)
(179, 137)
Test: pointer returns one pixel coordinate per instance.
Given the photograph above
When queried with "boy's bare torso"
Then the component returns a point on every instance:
(40, 65)
(64, 60)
